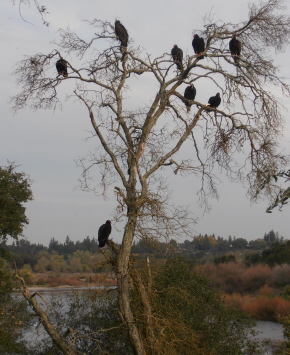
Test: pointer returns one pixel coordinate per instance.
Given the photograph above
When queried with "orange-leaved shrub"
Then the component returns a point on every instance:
(265, 306)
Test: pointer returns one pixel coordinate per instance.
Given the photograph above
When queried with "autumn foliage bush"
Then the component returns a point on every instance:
(265, 306)
(281, 275)
(237, 278)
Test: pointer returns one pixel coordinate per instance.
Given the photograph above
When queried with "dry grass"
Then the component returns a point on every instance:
(73, 279)
(56, 281)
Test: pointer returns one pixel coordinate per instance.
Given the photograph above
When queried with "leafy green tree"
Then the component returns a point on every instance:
(271, 237)
(258, 244)
(278, 253)
(252, 259)
(43, 263)
(85, 258)
(224, 259)
(75, 265)
(204, 243)
(15, 190)
(239, 243)
(57, 262)
(13, 315)
(221, 244)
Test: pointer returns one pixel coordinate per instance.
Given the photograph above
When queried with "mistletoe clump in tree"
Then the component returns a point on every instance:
(136, 147)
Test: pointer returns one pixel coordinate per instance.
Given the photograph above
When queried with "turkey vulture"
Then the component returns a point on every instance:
(235, 48)
(198, 46)
(121, 33)
(214, 101)
(103, 234)
(189, 94)
(61, 67)
(177, 55)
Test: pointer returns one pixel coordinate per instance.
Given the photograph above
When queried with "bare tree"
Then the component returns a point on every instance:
(277, 182)
(42, 10)
(138, 146)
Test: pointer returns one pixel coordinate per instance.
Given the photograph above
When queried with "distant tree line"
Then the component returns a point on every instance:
(80, 256)
(278, 253)
(24, 252)
(202, 244)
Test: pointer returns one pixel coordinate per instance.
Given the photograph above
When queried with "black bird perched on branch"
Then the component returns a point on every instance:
(198, 46)
(103, 234)
(189, 94)
(235, 47)
(61, 67)
(214, 101)
(177, 55)
(121, 33)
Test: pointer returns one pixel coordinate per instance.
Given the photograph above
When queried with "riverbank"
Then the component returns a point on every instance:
(52, 279)
(265, 304)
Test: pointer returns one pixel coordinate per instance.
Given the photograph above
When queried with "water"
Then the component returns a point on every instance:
(36, 331)
(267, 330)
(270, 331)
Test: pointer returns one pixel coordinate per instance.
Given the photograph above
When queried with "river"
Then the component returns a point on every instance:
(267, 330)
(271, 331)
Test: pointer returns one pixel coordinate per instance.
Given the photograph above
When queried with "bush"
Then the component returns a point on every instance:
(185, 300)
(255, 277)
(27, 275)
(281, 275)
(236, 278)
(13, 315)
(265, 306)
(284, 347)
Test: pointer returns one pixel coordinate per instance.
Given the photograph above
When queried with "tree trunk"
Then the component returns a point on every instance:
(45, 320)
(123, 278)
(146, 310)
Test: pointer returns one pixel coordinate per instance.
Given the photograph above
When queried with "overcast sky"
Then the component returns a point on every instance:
(45, 144)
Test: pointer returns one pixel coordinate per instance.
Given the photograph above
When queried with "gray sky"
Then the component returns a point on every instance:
(45, 143)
